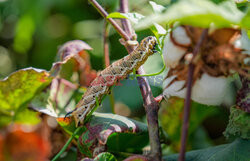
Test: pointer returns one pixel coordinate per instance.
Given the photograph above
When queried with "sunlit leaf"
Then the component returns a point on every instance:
(18, 89)
(133, 17)
(245, 22)
(202, 13)
(156, 7)
(116, 15)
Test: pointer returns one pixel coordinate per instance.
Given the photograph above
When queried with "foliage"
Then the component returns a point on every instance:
(203, 13)
(17, 90)
(239, 124)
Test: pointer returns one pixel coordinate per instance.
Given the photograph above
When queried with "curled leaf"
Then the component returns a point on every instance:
(73, 58)
(113, 133)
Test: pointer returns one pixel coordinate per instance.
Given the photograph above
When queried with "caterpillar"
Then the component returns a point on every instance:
(118, 70)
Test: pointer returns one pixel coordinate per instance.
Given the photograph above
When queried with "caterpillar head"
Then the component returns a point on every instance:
(148, 44)
(80, 112)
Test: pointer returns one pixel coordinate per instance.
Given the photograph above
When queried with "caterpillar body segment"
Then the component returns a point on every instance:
(111, 75)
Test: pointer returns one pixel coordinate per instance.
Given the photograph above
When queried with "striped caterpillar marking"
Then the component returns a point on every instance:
(110, 76)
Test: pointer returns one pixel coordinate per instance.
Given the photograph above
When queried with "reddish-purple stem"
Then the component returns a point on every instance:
(187, 102)
(106, 44)
(125, 22)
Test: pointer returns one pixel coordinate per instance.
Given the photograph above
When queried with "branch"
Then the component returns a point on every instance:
(114, 24)
(187, 103)
(125, 22)
(151, 106)
(106, 44)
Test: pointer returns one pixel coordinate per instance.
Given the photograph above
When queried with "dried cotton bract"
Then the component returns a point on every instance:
(219, 58)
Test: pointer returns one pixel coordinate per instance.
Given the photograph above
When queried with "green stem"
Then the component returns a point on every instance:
(66, 145)
(112, 101)
(154, 74)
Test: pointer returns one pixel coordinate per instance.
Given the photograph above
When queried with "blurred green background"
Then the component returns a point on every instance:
(31, 31)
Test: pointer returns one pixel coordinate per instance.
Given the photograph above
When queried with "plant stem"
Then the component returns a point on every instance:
(66, 145)
(187, 102)
(125, 22)
(114, 24)
(106, 44)
(151, 106)
(107, 61)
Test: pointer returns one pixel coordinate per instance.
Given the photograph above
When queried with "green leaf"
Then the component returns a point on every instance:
(116, 15)
(202, 13)
(105, 156)
(17, 90)
(116, 132)
(236, 151)
(26, 116)
(245, 22)
(156, 7)
(133, 17)
(239, 124)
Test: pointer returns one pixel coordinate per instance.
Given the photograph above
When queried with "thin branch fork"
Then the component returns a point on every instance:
(187, 102)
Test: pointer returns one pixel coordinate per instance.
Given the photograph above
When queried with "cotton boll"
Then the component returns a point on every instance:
(210, 90)
(171, 52)
(243, 42)
(175, 88)
(206, 90)
(180, 36)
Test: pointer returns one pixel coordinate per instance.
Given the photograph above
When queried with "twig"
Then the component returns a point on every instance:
(151, 106)
(187, 102)
(114, 24)
(106, 44)
(107, 60)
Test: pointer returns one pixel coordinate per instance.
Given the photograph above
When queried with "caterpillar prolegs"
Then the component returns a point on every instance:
(110, 76)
